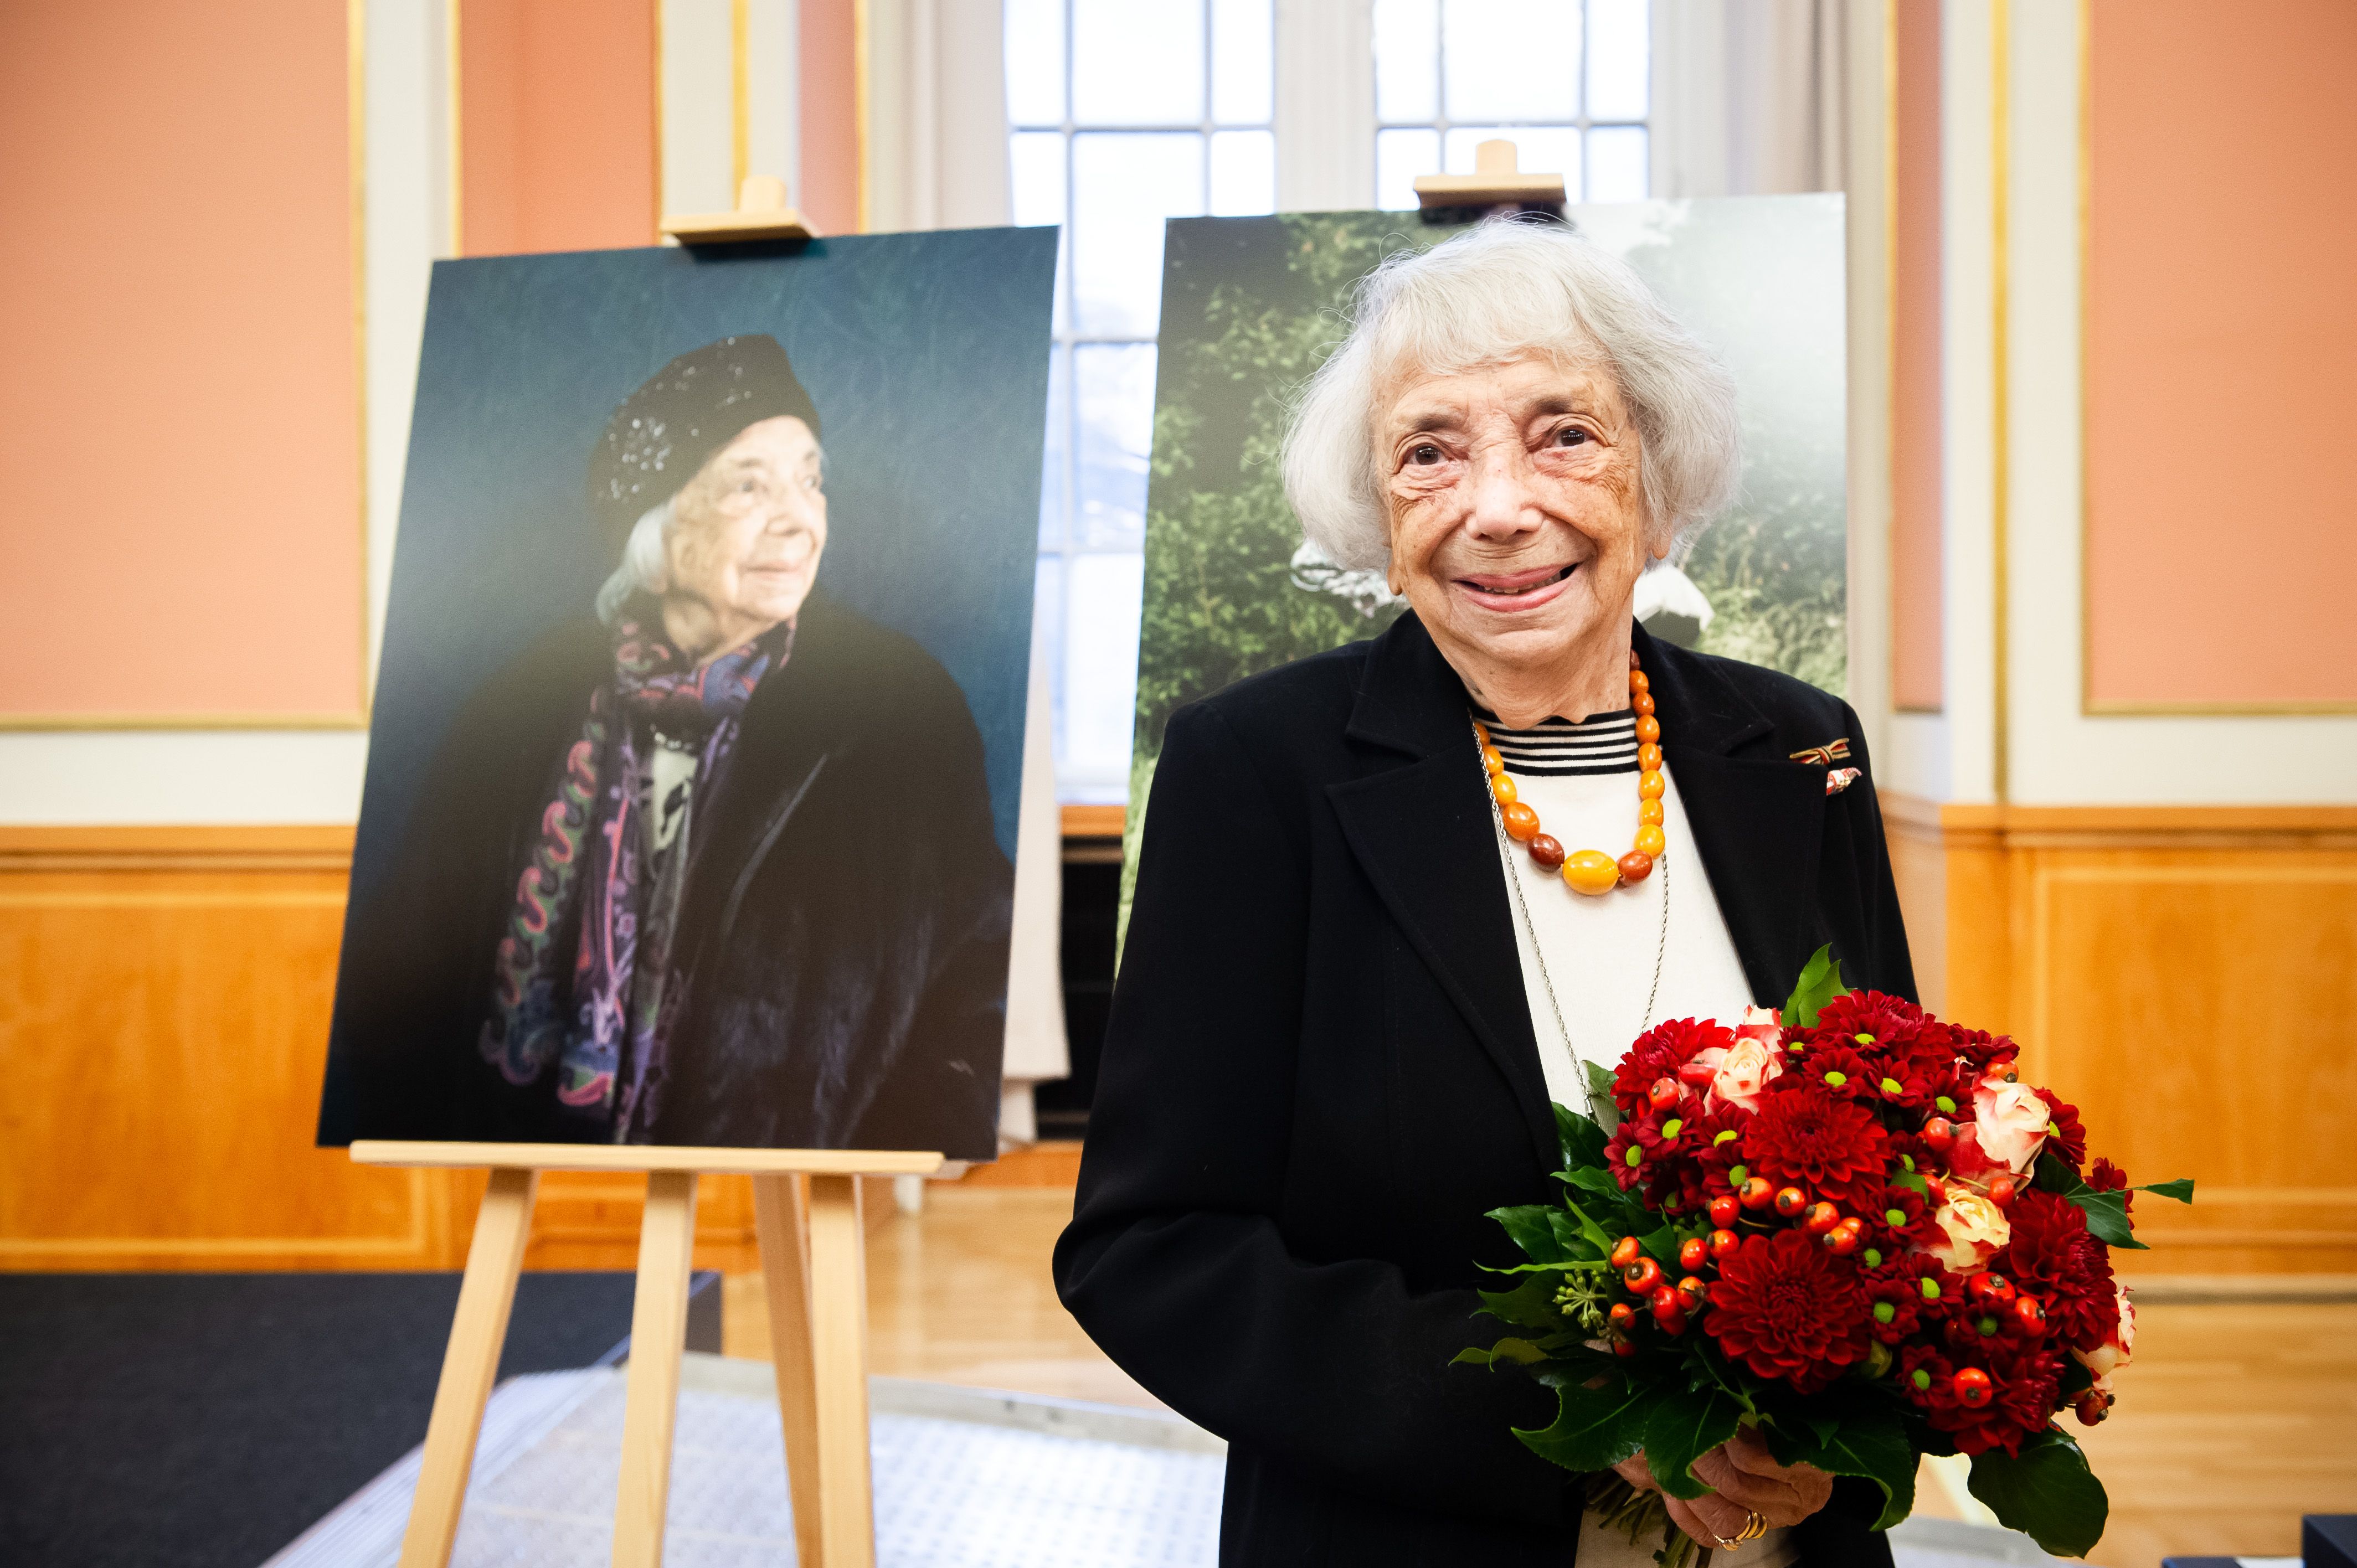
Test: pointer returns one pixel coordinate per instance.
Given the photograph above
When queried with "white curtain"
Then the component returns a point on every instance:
(1748, 97)
(937, 159)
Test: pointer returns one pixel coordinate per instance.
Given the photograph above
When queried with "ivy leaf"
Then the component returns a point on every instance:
(1820, 983)
(1594, 1429)
(2107, 1216)
(2046, 1491)
(1530, 1304)
(1600, 1090)
(2181, 1189)
(1532, 1227)
(1583, 1141)
(1864, 1440)
(1681, 1429)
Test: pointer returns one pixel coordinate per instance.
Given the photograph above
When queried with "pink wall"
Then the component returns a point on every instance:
(1916, 575)
(830, 116)
(2221, 353)
(556, 125)
(178, 415)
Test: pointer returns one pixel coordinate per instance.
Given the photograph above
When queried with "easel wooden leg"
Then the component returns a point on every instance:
(478, 1331)
(781, 1222)
(838, 1296)
(658, 1338)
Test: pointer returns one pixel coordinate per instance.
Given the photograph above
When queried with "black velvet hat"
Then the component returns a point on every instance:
(687, 411)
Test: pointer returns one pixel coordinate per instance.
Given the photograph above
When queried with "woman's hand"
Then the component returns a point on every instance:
(1744, 1478)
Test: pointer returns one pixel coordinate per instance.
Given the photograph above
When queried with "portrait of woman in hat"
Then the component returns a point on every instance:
(712, 862)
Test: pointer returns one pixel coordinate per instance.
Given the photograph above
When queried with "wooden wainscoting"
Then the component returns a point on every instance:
(163, 1001)
(2188, 977)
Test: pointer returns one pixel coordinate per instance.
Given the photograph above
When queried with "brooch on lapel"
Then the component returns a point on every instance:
(1839, 778)
(1828, 755)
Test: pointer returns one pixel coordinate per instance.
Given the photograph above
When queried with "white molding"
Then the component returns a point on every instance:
(1325, 105)
(1868, 600)
(773, 91)
(699, 106)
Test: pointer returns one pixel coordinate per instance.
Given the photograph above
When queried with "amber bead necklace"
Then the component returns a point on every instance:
(1590, 871)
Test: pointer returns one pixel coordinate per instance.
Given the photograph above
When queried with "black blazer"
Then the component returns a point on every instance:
(1320, 1072)
(843, 929)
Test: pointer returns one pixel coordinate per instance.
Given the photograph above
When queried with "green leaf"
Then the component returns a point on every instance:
(1532, 1227)
(2181, 1189)
(1521, 1352)
(1590, 1231)
(1868, 1440)
(1662, 1244)
(2046, 1491)
(1577, 1235)
(2107, 1216)
(1681, 1429)
(2053, 1176)
(1590, 1178)
(1599, 1092)
(1583, 1141)
(1820, 983)
(1913, 1182)
(1594, 1429)
(1530, 1304)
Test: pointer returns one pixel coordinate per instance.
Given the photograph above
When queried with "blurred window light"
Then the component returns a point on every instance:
(1121, 115)
(1568, 82)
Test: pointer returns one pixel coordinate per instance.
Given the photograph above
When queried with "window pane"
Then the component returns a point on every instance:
(1538, 149)
(1400, 156)
(1616, 164)
(1035, 63)
(1512, 60)
(1059, 442)
(1104, 598)
(1114, 384)
(1620, 59)
(1243, 173)
(1243, 64)
(1137, 64)
(1407, 60)
(1125, 185)
(1035, 163)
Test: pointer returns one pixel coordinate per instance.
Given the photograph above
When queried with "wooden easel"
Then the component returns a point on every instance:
(806, 1218)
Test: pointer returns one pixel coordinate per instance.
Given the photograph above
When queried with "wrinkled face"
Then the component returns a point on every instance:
(747, 531)
(1517, 526)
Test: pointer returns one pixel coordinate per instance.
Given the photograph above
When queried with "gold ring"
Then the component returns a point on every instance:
(1754, 1527)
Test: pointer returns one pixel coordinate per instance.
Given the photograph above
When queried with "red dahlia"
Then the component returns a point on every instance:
(1887, 1021)
(1829, 1146)
(2069, 1139)
(2050, 1254)
(1660, 1052)
(1788, 1308)
(2105, 1176)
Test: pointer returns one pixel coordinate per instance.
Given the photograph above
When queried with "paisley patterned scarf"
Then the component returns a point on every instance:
(583, 979)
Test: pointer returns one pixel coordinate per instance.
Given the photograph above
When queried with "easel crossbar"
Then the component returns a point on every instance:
(646, 1158)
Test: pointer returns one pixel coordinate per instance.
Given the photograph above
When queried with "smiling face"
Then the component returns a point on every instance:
(744, 540)
(1517, 526)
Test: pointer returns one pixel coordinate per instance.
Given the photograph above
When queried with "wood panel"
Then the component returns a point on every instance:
(2179, 974)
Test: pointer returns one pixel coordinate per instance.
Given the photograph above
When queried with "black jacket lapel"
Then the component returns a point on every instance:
(1757, 819)
(1422, 831)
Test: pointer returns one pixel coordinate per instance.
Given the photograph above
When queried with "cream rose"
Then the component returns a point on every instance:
(1765, 1025)
(1738, 1072)
(2117, 1351)
(1972, 1229)
(2011, 1122)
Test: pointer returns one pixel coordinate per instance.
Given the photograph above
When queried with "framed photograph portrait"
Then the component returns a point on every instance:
(690, 801)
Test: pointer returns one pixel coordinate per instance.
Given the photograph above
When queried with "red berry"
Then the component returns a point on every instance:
(1994, 1291)
(1696, 1076)
(1624, 1252)
(1791, 1200)
(1663, 1300)
(1973, 1388)
(2093, 1407)
(1663, 1095)
(1941, 1133)
(1693, 1253)
(1624, 1347)
(1936, 1190)
(1622, 1314)
(2030, 1316)
(1692, 1293)
(1757, 1194)
(2001, 1192)
(1845, 1237)
(1674, 1324)
(1821, 1218)
(1642, 1277)
(1724, 1243)
(1724, 1210)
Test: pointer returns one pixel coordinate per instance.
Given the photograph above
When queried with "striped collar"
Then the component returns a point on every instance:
(1558, 748)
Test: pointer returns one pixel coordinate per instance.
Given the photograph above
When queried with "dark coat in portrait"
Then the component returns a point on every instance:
(1320, 1073)
(841, 940)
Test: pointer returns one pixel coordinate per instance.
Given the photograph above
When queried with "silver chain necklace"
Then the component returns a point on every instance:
(1546, 981)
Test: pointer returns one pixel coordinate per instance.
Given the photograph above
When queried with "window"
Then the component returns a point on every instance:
(1566, 80)
(1121, 115)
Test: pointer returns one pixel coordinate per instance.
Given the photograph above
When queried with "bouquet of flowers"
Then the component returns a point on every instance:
(1846, 1224)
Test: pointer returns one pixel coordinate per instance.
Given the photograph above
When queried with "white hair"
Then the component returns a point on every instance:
(1502, 291)
(643, 564)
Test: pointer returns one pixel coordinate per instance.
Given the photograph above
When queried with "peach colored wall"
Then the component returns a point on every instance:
(830, 115)
(179, 414)
(1916, 611)
(556, 125)
(2221, 353)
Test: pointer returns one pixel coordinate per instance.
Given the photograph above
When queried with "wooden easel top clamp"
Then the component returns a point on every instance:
(761, 214)
(1496, 185)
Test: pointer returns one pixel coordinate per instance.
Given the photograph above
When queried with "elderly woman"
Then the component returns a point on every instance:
(1350, 989)
(714, 867)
